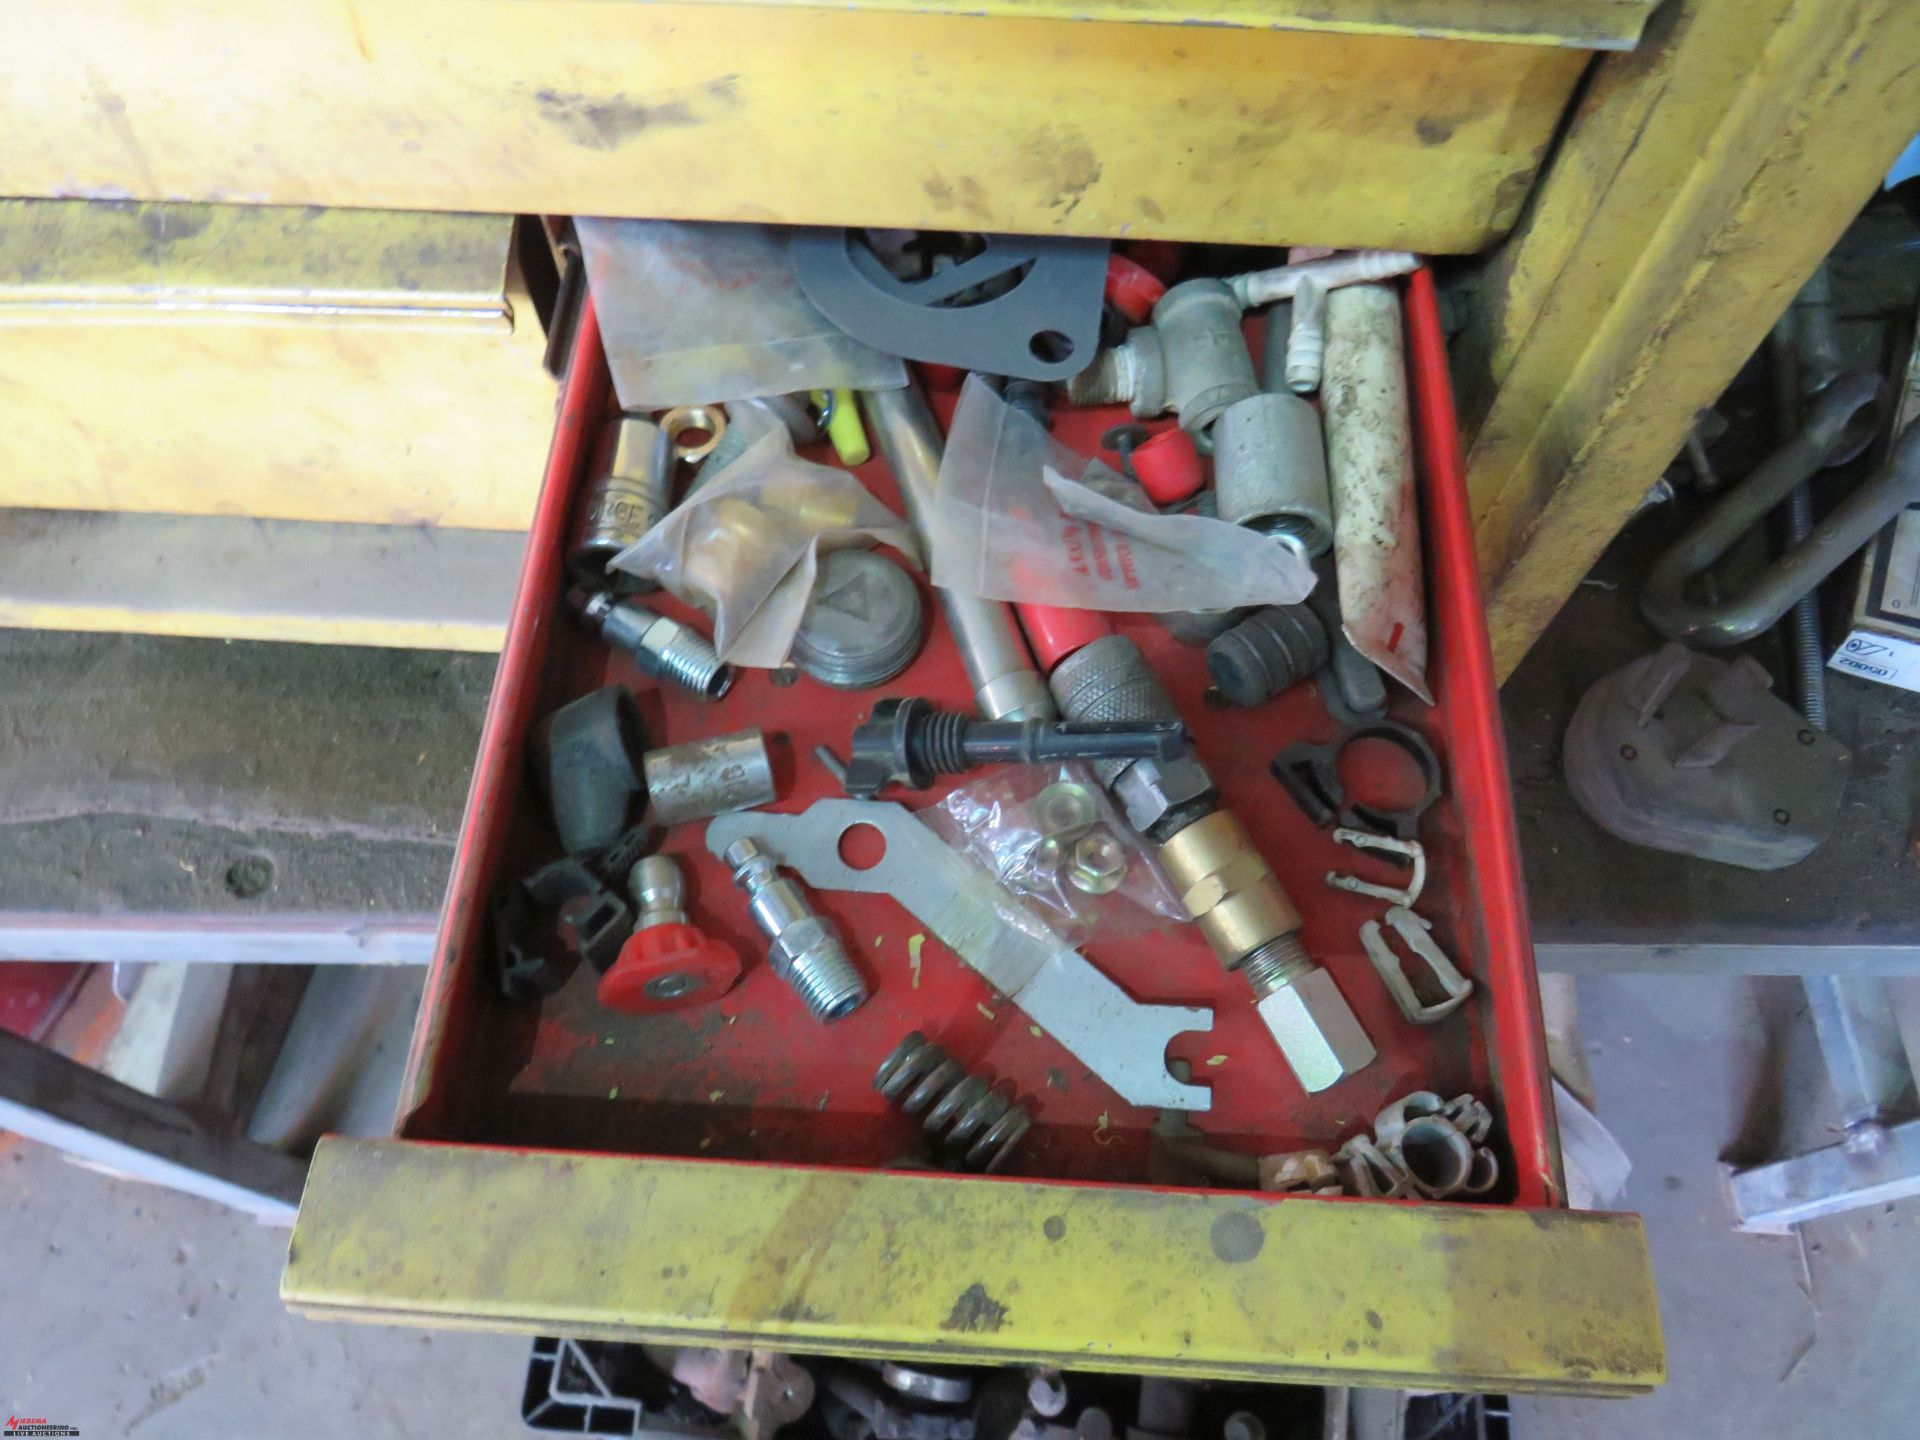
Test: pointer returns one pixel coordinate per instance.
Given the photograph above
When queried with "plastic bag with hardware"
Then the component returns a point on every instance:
(1021, 517)
(695, 314)
(746, 546)
(1050, 835)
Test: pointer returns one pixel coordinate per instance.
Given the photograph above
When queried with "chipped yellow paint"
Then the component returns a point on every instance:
(1213, 1284)
(915, 944)
(720, 112)
(983, 1010)
(1697, 186)
(364, 367)
(1216, 1060)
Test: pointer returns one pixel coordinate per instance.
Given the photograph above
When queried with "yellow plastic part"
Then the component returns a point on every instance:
(1226, 1285)
(297, 364)
(783, 113)
(1699, 183)
(846, 430)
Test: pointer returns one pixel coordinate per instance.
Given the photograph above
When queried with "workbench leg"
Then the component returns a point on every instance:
(47, 1097)
(1700, 180)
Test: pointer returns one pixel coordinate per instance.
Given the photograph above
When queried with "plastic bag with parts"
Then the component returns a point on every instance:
(746, 545)
(1019, 516)
(1026, 824)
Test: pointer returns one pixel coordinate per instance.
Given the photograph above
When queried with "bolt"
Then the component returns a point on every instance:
(249, 877)
(1627, 752)
(1781, 817)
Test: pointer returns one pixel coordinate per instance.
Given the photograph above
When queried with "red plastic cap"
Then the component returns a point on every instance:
(1132, 288)
(1168, 466)
(1161, 257)
(1056, 631)
(665, 967)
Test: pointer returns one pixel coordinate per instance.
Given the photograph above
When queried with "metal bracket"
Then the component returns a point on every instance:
(1418, 935)
(1121, 1040)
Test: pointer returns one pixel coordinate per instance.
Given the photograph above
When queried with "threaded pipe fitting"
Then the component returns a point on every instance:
(662, 648)
(1276, 964)
(802, 947)
(668, 650)
(1110, 380)
(826, 982)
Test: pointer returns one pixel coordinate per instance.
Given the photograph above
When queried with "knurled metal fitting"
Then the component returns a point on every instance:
(802, 946)
(1111, 680)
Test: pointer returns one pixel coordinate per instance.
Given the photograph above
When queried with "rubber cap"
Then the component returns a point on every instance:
(665, 967)
(1168, 466)
(1132, 289)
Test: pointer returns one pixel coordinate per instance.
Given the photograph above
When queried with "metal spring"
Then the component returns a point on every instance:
(973, 1122)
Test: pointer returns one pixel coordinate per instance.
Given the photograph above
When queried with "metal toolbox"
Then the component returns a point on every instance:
(721, 1174)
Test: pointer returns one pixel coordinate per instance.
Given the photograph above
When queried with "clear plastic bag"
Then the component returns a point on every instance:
(745, 546)
(1021, 517)
(696, 314)
(1022, 823)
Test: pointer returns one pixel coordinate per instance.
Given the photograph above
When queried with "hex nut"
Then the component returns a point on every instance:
(1065, 810)
(1099, 863)
(1149, 790)
(1316, 1031)
(1050, 852)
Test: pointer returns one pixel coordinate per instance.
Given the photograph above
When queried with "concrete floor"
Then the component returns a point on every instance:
(143, 1312)
(140, 1312)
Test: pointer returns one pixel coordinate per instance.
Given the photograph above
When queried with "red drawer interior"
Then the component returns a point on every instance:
(754, 1077)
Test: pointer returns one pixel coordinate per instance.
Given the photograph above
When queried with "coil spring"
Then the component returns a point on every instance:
(973, 1123)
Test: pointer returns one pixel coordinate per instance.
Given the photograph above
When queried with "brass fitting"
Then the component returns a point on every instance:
(1253, 927)
(1227, 887)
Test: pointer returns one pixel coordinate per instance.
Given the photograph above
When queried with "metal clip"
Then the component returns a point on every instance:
(1370, 1173)
(1384, 845)
(1418, 935)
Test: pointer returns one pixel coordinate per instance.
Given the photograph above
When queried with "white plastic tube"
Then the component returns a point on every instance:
(1356, 267)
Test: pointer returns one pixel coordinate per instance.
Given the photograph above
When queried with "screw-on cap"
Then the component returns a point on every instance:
(862, 627)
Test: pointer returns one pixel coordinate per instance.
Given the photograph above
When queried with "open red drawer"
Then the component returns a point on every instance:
(721, 1174)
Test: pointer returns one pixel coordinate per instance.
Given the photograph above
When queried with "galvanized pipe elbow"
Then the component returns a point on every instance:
(1831, 427)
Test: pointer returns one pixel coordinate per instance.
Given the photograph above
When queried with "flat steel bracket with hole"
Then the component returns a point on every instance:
(1120, 1039)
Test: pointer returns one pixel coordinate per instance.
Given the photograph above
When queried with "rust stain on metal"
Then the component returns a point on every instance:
(975, 1310)
(606, 122)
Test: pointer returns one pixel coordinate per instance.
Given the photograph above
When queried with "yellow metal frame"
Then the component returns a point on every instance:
(777, 112)
(1579, 24)
(1700, 181)
(272, 362)
(1213, 1284)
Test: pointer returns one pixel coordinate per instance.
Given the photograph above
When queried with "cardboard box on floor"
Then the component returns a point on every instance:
(1884, 643)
